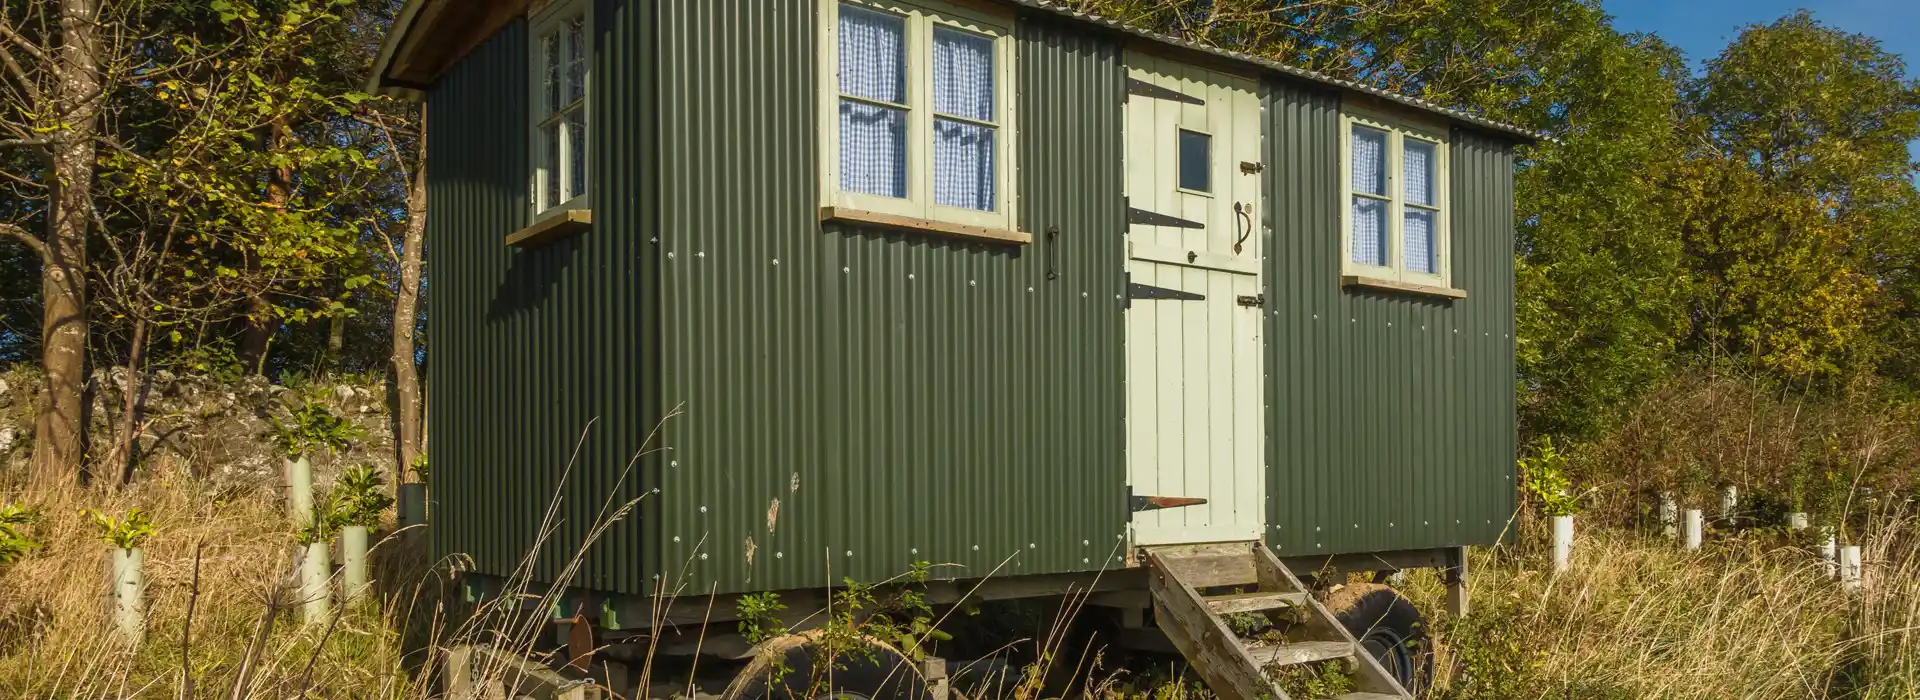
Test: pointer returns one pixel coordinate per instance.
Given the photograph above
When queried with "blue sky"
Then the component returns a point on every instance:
(1701, 28)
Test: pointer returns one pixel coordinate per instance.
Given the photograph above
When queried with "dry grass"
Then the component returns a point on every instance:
(1753, 615)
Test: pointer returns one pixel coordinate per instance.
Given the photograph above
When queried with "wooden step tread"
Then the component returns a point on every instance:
(1300, 653)
(1369, 696)
(1253, 602)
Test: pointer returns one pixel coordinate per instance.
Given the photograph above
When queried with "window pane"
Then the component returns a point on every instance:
(873, 149)
(1417, 170)
(550, 165)
(963, 75)
(1369, 231)
(550, 52)
(1369, 161)
(576, 59)
(577, 153)
(1419, 232)
(963, 165)
(873, 55)
(1196, 161)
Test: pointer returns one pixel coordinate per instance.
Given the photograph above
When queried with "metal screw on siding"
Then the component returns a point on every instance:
(972, 283)
(845, 270)
(1316, 317)
(915, 550)
(1389, 324)
(656, 490)
(703, 509)
(676, 538)
(703, 556)
(656, 241)
(673, 463)
(1084, 560)
(1390, 525)
(1316, 545)
(1029, 545)
(1316, 528)
(1029, 290)
(849, 552)
(909, 275)
(776, 262)
(1083, 295)
(669, 255)
(779, 555)
(976, 548)
(1084, 543)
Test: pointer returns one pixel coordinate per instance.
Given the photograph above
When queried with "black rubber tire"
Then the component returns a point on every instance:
(1390, 628)
(886, 676)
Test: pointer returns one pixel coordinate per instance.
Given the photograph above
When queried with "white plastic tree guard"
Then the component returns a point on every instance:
(1694, 528)
(1669, 515)
(1562, 543)
(128, 573)
(299, 491)
(1730, 503)
(354, 577)
(1796, 521)
(1850, 569)
(316, 569)
(1830, 557)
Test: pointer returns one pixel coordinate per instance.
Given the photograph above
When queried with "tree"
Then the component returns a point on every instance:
(58, 74)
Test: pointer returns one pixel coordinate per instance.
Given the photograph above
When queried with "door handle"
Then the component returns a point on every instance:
(1243, 213)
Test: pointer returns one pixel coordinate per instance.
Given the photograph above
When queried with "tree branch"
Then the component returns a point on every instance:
(27, 239)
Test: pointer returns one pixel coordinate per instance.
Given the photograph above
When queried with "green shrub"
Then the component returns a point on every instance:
(125, 533)
(312, 428)
(360, 496)
(1544, 476)
(14, 543)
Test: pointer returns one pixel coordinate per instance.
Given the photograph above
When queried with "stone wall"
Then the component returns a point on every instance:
(199, 426)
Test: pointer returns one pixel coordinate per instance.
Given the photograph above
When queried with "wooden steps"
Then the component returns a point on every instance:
(1232, 667)
(1257, 601)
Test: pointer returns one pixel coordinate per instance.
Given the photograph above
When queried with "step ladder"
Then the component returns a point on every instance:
(1234, 668)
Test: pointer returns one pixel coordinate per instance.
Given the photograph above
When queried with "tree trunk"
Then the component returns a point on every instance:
(60, 429)
(258, 339)
(406, 313)
(130, 407)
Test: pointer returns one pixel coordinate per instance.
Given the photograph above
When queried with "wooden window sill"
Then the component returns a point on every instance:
(551, 228)
(908, 223)
(1401, 287)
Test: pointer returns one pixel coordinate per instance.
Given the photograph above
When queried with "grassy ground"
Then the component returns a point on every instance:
(1754, 615)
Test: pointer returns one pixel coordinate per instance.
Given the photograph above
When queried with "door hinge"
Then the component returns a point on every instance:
(1252, 168)
(1255, 301)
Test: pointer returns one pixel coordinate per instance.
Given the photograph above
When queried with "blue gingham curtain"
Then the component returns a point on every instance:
(963, 152)
(1370, 227)
(1418, 229)
(873, 138)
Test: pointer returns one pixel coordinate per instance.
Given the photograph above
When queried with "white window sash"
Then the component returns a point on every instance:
(553, 21)
(921, 19)
(1397, 268)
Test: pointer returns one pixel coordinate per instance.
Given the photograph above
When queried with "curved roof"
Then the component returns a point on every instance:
(423, 31)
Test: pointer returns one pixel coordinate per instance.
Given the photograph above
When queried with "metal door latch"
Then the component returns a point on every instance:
(1255, 301)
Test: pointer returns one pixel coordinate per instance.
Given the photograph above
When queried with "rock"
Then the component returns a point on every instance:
(8, 435)
(3, 387)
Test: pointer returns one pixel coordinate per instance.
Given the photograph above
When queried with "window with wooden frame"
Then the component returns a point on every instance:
(560, 57)
(1394, 187)
(917, 112)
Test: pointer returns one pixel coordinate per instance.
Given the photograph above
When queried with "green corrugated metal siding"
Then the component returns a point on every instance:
(531, 346)
(904, 398)
(1392, 416)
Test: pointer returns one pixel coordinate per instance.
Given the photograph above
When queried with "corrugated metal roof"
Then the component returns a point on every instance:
(378, 83)
(1297, 72)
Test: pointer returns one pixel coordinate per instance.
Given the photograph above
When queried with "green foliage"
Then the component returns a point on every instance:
(312, 428)
(1322, 681)
(14, 542)
(760, 617)
(422, 469)
(360, 496)
(1544, 476)
(124, 533)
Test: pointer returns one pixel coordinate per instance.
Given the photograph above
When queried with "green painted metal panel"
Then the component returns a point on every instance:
(1392, 416)
(851, 401)
(542, 358)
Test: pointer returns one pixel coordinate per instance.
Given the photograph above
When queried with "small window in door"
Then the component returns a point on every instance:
(1196, 161)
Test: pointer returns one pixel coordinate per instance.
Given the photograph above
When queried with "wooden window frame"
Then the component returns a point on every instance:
(922, 17)
(552, 19)
(1395, 274)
